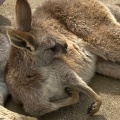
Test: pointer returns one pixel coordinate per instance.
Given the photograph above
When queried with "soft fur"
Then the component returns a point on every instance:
(38, 68)
(4, 54)
(90, 20)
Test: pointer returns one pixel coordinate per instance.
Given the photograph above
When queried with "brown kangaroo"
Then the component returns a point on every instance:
(4, 53)
(90, 20)
(39, 70)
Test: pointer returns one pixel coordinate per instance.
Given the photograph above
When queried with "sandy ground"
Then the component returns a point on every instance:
(107, 88)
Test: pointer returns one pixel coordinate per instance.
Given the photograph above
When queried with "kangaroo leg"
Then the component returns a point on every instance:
(47, 107)
(74, 81)
(108, 68)
(69, 101)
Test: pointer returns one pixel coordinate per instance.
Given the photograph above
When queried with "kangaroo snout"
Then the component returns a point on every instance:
(60, 48)
(63, 47)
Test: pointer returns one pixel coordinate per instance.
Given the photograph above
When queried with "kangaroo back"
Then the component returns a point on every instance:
(39, 66)
(90, 20)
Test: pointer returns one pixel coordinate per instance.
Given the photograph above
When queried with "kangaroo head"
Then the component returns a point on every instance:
(42, 46)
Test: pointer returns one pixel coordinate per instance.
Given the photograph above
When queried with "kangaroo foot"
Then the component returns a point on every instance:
(94, 107)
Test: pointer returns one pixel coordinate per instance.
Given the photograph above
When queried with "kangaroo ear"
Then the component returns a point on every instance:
(23, 15)
(22, 40)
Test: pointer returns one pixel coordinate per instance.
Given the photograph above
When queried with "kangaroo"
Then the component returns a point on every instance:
(90, 20)
(115, 10)
(93, 22)
(38, 68)
(4, 53)
(23, 43)
(106, 67)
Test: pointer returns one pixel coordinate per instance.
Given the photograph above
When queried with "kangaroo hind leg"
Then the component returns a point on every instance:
(46, 107)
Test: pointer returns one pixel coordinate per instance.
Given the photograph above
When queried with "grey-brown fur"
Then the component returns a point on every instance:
(72, 65)
(38, 69)
(4, 53)
(115, 10)
(90, 20)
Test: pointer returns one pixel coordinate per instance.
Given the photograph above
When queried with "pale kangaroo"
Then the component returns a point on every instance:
(47, 35)
(38, 68)
(4, 53)
(90, 20)
(94, 23)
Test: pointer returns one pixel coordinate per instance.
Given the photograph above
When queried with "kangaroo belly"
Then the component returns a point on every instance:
(54, 90)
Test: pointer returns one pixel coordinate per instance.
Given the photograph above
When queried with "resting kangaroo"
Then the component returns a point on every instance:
(38, 69)
(4, 53)
(37, 61)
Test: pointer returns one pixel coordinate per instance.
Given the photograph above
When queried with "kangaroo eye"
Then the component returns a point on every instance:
(53, 48)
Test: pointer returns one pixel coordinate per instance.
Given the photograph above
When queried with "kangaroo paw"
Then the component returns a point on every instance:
(69, 91)
(94, 107)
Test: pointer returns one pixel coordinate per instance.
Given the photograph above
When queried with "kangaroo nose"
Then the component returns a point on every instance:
(64, 48)
(65, 45)
(61, 47)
